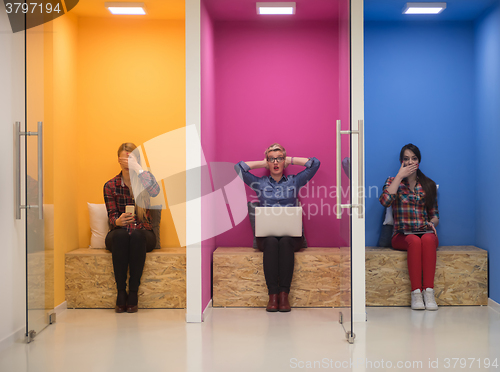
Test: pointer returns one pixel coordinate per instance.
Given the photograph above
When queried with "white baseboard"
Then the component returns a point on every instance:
(59, 309)
(494, 305)
(194, 318)
(17, 337)
(208, 310)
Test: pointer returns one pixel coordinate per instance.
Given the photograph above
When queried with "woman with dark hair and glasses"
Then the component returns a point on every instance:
(413, 197)
(278, 190)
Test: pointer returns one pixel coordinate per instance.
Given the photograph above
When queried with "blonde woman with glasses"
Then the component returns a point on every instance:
(278, 189)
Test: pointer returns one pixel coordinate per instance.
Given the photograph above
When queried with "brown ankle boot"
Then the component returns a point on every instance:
(272, 305)
(121, 302)
(132, 302)
(284, 305)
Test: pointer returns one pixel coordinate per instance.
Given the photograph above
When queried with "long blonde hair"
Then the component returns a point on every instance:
(143, 196)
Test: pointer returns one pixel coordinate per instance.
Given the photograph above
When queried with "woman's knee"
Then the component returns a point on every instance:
(267, 243)
(430, 240)
(413, 242)
(115, 238)
(137, 238)
(289, 243)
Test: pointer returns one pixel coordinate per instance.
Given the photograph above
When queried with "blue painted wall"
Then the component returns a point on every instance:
(419, 88)
(488, 142)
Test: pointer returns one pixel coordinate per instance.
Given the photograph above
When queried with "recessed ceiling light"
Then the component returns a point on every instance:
(275, 8)
(424, 8)
(126, 8)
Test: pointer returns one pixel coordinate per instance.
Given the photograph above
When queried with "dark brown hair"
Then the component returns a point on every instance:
(428, 185)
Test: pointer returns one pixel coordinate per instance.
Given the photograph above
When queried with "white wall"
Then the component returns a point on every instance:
(358, 113)
(193, 161)
(12, 262)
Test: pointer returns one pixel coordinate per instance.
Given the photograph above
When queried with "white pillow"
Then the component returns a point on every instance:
(389, 219)
(98, 225)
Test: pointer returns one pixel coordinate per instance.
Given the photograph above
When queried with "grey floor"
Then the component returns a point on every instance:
(252, 340)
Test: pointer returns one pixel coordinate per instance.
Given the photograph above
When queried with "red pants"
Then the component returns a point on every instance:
(421, 257)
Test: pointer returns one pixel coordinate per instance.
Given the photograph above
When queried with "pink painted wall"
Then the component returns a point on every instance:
(280, 82)
(345, 107)
(208, 142)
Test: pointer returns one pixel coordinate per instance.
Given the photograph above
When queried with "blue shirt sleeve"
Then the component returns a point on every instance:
(243, 170)
(302, 178)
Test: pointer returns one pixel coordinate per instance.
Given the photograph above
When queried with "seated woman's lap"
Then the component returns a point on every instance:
(402, 241)
(119, 237)
(277, 242)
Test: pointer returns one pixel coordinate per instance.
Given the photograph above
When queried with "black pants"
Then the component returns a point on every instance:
(279, 260)
(129, 251)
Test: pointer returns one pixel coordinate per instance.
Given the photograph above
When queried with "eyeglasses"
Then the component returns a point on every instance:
(278, 160)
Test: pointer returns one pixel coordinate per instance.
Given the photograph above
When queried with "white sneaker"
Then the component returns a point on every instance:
(430, 302)
(417, 302)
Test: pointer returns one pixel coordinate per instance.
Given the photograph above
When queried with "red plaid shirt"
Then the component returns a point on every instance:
(408, 207)
(117, 196)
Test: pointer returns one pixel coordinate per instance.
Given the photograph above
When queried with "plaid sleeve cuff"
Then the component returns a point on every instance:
(386, 199)
(149, 183)
(112, 221)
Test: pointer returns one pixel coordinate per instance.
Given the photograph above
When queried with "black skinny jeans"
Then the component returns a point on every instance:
(129, 251)
(279, 260)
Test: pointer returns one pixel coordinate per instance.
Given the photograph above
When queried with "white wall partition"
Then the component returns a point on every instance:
(357, 113)
(194, 312)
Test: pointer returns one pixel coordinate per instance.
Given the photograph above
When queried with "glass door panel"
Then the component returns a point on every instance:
(39, 255)
(344, 160)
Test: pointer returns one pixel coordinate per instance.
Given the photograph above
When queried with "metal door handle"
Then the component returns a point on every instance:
(17, 165)
(361, 168)
(40, 170)
(360, 133)
(17, 169)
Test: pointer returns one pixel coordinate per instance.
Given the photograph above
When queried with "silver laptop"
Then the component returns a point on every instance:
(278, 221)
(419, 232)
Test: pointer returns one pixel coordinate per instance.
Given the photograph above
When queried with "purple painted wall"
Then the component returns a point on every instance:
(208, 141)
(274, 81)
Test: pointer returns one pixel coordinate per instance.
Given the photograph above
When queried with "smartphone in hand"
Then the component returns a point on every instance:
(130, 209)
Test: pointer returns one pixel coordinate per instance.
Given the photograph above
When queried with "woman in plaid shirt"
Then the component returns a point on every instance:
(413, 198)
(131, 236)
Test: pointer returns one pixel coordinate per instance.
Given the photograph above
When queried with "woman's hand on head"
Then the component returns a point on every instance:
(407, 171)
(288, 161)
(125, 219)
(266, 163)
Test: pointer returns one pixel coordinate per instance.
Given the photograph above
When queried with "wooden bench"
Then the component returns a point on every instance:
(321, 277)
(90, 281)
(461, 276)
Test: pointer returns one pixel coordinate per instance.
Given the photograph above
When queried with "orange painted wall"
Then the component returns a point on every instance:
(114, 81)
(131, 88)
(65, 144)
